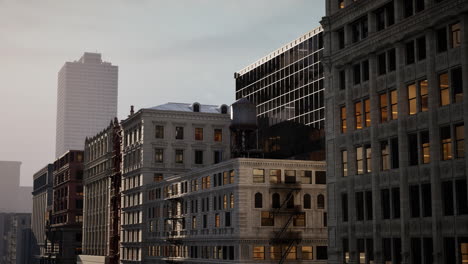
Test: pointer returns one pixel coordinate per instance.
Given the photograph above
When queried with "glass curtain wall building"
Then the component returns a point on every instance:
(287, 88)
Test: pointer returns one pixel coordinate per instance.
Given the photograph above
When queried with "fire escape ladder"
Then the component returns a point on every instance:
(173, 235)
(286, 252)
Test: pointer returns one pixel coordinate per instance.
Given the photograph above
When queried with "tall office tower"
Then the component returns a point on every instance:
(18, 239)
(86, 100)
(396, 81)
(287, 88)
(160, 142)
(42, 204)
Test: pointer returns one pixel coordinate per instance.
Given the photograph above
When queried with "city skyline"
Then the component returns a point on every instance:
(154, 41)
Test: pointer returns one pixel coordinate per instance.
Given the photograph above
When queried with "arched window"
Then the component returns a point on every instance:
(320, 201)
(224, 109)
(276, 203)
(196, 107)
(290, 203)
(307, 201)
(258, 200)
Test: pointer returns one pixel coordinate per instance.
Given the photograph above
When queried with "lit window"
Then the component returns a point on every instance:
(158, 177)
(218, 135)
(275, 176)
(460, 140)
(306, 177)
(179, 156)
(292, 254)
(412, 103)
(367, 115)
(217, 220)
(258, 252)
(455, 35)
(344, 162)
(307, 253)
(231, 176)
(385, 155)
(341, 4)
(360, 160)
(343, 119)
(394, 104)
(444, 89)
(424, 103)
(225, 202)
(258, 176)
(446, 143)
(275, 252)
(368, 159)
(232, 200)
(198, 133)
(383, 108)
(268, 219)
(358, 115)
(425, 147)
(194, 222)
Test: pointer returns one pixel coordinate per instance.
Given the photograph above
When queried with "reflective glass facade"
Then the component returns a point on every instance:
(288, 83)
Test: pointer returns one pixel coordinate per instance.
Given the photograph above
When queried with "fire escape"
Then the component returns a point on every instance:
(173, 220)
(287, 211)
(116, 179)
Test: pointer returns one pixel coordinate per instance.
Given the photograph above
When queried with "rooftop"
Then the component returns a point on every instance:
(183, 107)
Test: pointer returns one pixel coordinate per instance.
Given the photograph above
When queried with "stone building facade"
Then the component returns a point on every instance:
(159, 142)
(239, 211)
(396, 75)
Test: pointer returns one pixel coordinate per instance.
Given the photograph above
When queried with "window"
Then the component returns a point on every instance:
(359, 29)
(455, 35)
(198, 156)
(179, 133)
(446, 143)
(343, 119)
(394, 104)
(196, 107)
(360, 206)
(358, 114)
(441, 42)
(460, 141)
(194, 222)
(268, 219)
(299, 219)
(367, 116)
(424, 103)
(368, 158)
(158, 155)
(218, 135)
(258, 200)
(275, 176)
(380, 19)
(217, 220)
(419, 5)
(258, 252)
(344, 206)
(357, 73)
(341, 38)
(258, 175)
(410, 57)
(158, 177)
(365, 70)
(307, 201)
(231, 176)
(447, 197)
(414, 200)
(320, 177)
(396, 202)
(322, 252)
(382, 64)
(341, 4)
(198, 133)
(426, 200)
(425, 147)
(344, 162)
(179, 156)
(290, 176)
(394, 153)
(460, 197)
(383, 108)
(457, 85)
(320, 201)
(408, 8)
(231, 199)
(384, 156)
(218, 156)
(306, 177)
(292, 254)
(276, 202)
(413, 149)
(444, 89)
(275, 252)
(412, 103)
(421, 47)
(224, 109)
(385, 203)
(342, 80)
(391, 60)
(368, 204)
(159, 131)
(345, 250)
(360, 160)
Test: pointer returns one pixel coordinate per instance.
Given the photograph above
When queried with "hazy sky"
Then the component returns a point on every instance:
(167, 51)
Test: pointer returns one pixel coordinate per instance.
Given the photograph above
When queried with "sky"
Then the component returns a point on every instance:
(167, 51)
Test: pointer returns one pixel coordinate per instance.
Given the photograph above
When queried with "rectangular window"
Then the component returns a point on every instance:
(380, 19)
(341, 4)
(231, 176)
(342, 80)
(385, 203)
(299, 219)
(383, 108)
(357, 73)
(292, 254)
(394, 104)
(346, 251)
(367, 116)
(290, 176)
(275, 252)
(198, 133)
(158, 177)
(444, 89)
(159, 131)
(320, 177)
(455, 35)
(360, 206)
(425, 147)
(306, 177)
(179, 156)
(158, 155)
(217, 220)
(424, 102)
(307, 253)
(368, 158)
(414, 200)
(179, 133)
(446, 143)
(382, 64)
(419, 5)
(457, 85)
(227, 219)
(421, 47)
(408, 8)
(343, 119)
(447, 198)
(358, 115)
(218, 135)
(412, 102)
(365, 70)
(426, 200)
(369, 202)
(258, 175)
(198, 156)
(396, 202)
(410, 53)
(344, 162)
(258, 252)
(384, 156)
(360, 160)
(341, 38)
(344, 206)
(275, 176)
(461, 197)
(413, 149)
(460, 140)
(217, 156)
(441, 40)
(268, 219)
(395, 153)
(391, 60)
(416, 250)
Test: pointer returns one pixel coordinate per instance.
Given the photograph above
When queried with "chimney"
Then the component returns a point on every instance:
(131, 110)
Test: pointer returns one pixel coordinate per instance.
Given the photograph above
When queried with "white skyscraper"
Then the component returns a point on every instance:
(86, 100)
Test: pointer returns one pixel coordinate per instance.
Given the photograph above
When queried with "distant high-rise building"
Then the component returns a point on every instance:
(86, 100)
(287, 88)
(13, 197)
(396, 83)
